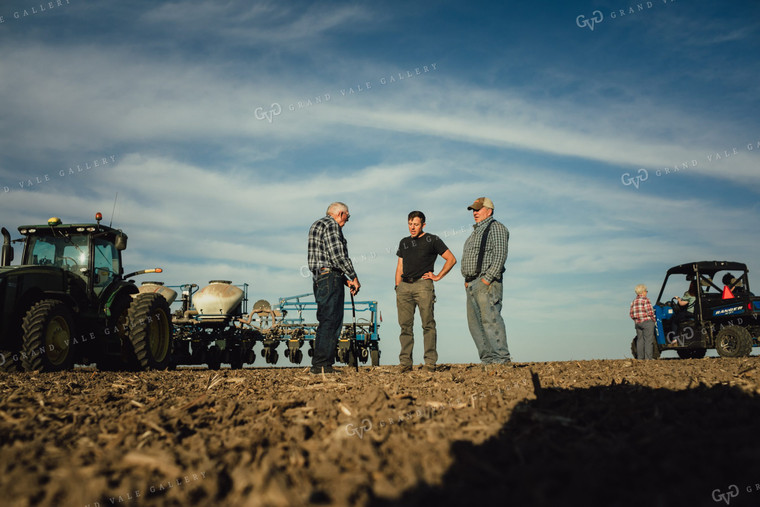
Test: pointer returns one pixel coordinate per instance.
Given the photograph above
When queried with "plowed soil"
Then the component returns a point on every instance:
(623, 432)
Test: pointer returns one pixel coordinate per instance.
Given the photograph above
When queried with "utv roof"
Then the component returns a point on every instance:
(707, 267)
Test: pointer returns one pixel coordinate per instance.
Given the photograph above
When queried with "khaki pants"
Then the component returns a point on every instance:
(409, 296)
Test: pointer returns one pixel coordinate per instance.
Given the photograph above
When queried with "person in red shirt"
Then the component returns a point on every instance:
(642, 314)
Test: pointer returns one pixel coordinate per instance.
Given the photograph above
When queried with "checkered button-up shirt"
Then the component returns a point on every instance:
(328, 248)
(641, 309)
(495, 251)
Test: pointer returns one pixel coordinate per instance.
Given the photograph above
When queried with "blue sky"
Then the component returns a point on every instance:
(220, 171)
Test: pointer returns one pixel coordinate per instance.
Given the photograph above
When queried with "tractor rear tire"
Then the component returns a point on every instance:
(47, 331)
(9, 362)
(733, 341)
(150, 331)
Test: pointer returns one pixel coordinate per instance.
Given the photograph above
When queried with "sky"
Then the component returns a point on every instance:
(615, 138)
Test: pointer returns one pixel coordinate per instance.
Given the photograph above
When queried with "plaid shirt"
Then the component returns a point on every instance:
(641, 309)
(327, 248)
(496, 250)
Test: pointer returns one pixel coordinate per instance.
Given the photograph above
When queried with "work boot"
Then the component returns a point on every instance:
(404, 368)
(429, 368)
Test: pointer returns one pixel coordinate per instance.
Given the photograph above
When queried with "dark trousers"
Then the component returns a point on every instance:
(330, 295)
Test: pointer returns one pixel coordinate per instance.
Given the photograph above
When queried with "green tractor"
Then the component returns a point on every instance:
(70, 302)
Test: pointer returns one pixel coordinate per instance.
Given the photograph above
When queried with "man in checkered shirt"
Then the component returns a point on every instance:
(642, 314)
(331, 269)
(484, 286)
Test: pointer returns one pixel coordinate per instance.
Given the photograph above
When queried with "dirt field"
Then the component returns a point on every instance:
(658, 433)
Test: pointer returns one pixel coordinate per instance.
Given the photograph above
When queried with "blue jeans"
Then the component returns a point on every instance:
(330, 296)
(485, 321)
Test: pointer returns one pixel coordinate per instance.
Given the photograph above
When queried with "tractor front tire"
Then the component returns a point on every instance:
(150, 331)
(733, 341)
(47, 331)
(374, 356)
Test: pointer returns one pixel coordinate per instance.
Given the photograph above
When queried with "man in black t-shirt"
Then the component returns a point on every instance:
(417, 254)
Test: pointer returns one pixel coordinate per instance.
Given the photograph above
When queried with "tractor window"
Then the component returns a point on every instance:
(65, 252)
(106, 264)
(43, 251)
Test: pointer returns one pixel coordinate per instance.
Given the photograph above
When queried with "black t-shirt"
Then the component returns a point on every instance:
(419, 254)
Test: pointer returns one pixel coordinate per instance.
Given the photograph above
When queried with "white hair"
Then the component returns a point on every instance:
(336, 208)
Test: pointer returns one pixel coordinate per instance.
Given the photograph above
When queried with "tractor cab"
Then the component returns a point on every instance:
(91, 252)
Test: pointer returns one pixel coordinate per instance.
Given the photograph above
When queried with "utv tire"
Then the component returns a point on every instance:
(691, 353)
(733, 341)
(150, 331)
(47, 330)
(655, 349)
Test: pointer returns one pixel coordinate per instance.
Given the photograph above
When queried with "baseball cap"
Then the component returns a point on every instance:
(481, 202)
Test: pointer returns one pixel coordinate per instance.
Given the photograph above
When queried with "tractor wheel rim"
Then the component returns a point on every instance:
(158, 338)
(57, 338)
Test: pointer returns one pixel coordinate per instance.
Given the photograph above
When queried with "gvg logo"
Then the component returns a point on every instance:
(359, 431)
(627, 179)
(596, 17)
(275, 110)
(733, 492)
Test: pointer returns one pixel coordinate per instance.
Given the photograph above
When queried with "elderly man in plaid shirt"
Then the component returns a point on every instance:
(642, 314)
(331, 269)
(483, 268)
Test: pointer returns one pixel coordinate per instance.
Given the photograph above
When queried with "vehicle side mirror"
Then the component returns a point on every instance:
(121, 242)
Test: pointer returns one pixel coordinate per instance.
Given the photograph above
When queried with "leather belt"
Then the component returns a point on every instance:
(410, 279)
(469, 279)
(324, 271)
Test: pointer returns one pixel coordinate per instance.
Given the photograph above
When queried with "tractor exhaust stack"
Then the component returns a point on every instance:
(7, 254)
